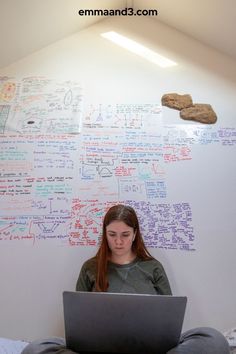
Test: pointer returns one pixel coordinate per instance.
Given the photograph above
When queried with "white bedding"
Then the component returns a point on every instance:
(9, 346)
(231, 338)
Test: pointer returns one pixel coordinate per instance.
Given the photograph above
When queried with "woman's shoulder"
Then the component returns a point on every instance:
(90, 264)
(87, 276)
(150, 264)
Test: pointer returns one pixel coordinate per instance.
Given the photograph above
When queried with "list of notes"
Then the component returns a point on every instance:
(56, 186)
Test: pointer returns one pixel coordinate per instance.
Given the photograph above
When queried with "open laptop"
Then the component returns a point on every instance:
(122, 323)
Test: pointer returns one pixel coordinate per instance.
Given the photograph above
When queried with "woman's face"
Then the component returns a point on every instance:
(120, 238)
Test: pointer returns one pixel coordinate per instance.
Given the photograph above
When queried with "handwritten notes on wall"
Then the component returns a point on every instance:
(38, 105)
(56, 186)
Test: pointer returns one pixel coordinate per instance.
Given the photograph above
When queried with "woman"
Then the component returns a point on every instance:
(124, 265)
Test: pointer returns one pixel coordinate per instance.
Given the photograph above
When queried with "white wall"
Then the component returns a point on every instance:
(33, 278)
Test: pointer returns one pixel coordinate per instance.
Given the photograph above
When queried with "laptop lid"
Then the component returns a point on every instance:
(122, 323)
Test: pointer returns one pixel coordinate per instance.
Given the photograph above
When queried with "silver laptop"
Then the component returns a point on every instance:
(122, 323)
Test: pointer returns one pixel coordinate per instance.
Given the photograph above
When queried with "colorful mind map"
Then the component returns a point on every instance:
(57, 187)
(38, 105)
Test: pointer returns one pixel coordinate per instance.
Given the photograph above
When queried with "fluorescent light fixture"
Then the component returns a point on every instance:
(138, 49)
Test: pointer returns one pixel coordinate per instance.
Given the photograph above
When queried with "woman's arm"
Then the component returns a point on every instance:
(161, 282)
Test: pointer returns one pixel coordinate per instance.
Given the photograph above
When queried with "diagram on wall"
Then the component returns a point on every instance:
(38, 105)
(56, 186)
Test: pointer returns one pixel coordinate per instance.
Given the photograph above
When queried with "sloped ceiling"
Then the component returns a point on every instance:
(212, 22)
(29, 25)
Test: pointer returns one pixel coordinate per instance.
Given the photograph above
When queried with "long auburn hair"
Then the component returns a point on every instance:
(128, 215)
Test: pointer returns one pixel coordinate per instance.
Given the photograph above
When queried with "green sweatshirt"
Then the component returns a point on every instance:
(139, 276)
